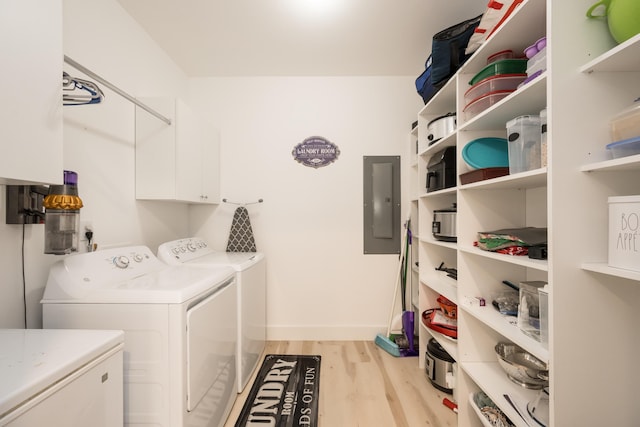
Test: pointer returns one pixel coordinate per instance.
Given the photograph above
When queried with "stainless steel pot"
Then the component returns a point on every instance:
(439, 366)
(440, 127)
(443, 226)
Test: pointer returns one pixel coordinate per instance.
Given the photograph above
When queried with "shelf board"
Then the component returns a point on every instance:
(530, 179)
(505, 326)
(623, 57)
(495, 383)
(524, 261)
(449, 344)
(621, 164)
(603, 268)
(443, 100)
(430, 240)
(446, 141)
(441, 284)
(446, 191)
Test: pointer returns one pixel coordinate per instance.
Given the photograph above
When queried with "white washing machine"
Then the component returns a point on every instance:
(180, 326)
(250, 270)
(70, 378)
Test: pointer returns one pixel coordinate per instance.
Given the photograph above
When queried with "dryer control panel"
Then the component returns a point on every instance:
(183, 250)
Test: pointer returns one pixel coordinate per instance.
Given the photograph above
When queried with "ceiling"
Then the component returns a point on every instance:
(298, 37)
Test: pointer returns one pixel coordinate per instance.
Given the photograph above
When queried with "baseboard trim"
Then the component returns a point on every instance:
(324, 333)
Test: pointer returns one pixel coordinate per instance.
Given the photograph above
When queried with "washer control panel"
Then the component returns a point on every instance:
(109, 266)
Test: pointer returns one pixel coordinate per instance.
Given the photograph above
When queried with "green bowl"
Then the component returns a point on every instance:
(623, 17)
(506, 66)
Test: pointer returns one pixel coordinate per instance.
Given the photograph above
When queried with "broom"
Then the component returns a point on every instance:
(384, 341)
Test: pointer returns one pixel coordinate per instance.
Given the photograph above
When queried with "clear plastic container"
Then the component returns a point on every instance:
(479, 105)
(493, 84)
(529, 308)
(626, 125)
(499, 56)
(624, 148)
(524, 136)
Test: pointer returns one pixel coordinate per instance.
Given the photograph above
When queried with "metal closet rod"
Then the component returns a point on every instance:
(242, 204)
(116, 89)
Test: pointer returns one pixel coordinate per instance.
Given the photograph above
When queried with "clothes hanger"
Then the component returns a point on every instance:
(75, 88)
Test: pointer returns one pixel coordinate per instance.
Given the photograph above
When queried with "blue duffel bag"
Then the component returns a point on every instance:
(447, 55)
(423, 83)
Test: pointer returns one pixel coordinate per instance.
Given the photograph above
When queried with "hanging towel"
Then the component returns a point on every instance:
(241, 234)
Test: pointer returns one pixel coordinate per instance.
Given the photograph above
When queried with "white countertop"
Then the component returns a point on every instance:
(33, 359)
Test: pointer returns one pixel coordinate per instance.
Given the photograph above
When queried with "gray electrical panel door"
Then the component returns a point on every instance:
(381, 189)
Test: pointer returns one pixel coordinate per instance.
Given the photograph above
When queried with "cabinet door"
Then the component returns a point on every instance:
(188, 154)
(179, 161)
(31, 87)
(211, 164)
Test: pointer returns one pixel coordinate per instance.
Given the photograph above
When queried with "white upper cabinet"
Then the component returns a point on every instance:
(178, 162)
(31, 86)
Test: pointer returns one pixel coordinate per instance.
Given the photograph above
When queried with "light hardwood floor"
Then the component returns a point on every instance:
(362, 385)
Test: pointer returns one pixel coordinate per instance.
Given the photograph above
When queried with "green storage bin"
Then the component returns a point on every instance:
(506, 66)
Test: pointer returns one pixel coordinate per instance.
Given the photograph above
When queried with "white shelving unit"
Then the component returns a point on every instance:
(589, 79)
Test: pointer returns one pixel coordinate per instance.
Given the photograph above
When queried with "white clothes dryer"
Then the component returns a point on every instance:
(250, 270)
(180, 326)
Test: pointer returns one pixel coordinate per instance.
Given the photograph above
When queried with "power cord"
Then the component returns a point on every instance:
(24, 279)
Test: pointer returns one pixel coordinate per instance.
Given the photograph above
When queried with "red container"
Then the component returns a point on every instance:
(493, 84)
(479, 105)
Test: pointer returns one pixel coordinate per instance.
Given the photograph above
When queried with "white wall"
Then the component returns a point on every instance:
(320, 285)
(99, 145)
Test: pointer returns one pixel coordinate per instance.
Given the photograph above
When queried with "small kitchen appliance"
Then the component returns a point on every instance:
(439, 366)
(441, 170)
(440, 127)
(443, 226)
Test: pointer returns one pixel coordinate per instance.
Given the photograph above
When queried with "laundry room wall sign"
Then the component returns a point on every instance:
(316, 152)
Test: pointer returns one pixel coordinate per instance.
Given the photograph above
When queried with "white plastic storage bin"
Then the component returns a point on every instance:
(523, 134)
(624, 236)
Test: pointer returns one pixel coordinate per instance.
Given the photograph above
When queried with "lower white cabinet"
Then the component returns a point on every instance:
(180, 161)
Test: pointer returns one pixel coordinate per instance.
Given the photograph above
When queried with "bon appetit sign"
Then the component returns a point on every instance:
(316, 152)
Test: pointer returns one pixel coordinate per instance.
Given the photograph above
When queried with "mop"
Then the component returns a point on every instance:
(388, 342)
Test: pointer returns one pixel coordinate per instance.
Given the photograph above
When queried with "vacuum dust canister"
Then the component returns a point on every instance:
(62, 216)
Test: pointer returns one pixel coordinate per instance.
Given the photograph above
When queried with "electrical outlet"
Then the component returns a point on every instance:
(86, 226)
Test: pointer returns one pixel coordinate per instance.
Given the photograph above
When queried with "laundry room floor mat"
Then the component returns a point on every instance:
(285, 393)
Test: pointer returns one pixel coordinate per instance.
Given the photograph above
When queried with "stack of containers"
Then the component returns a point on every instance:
(498, 79)
(537, 59)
